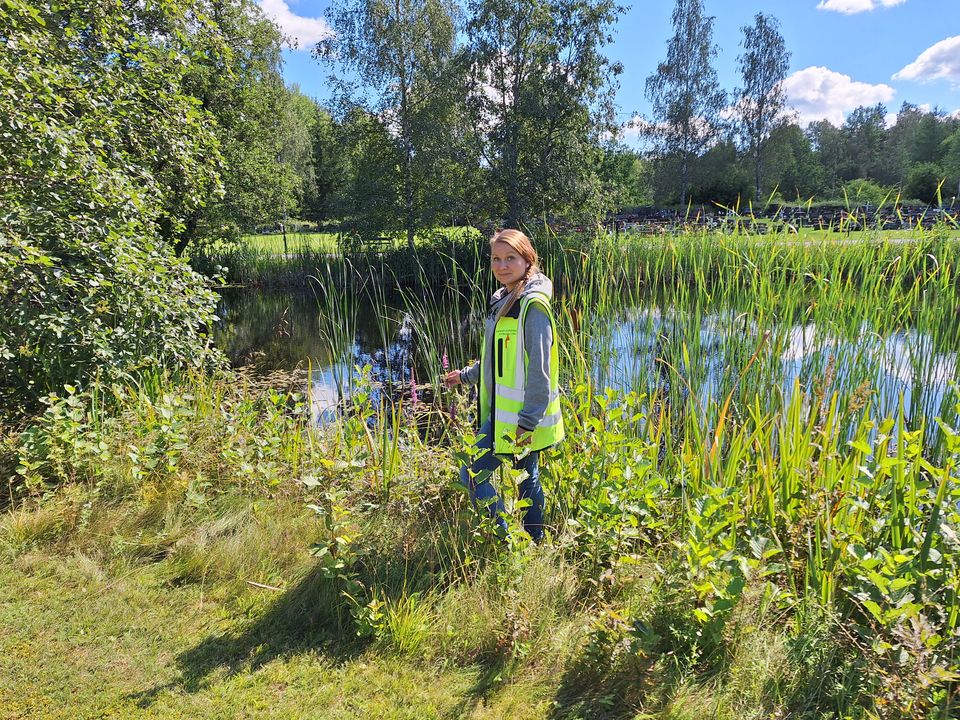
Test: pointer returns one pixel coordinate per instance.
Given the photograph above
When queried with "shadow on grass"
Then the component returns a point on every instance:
(609, 693)
(485, 686)
(624, 669)
(309, 617)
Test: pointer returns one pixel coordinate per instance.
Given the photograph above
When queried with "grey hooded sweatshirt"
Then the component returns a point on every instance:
(537, 339)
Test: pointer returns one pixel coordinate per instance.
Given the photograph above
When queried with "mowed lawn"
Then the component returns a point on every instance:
(326, 242)
(296, 242)
(81, 642)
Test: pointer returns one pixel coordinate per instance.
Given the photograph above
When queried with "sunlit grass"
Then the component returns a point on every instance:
(720, 541)
(295, 243)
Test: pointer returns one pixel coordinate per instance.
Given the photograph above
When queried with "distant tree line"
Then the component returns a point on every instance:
(715, 147)
(916, 159)
(493, 111)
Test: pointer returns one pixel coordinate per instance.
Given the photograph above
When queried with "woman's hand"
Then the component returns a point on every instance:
(452, 379)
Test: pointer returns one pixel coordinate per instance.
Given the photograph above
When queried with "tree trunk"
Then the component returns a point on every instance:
(512, 181)
(189, 233)
(407, 146)
(684, 178)
(757, 166)
(408, 183)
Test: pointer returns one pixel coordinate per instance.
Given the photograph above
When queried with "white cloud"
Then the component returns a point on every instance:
(818, 93)
(636, 127)
(635, 133)
(304, 31)
(641, 132)
(938, 62)
(852, 7)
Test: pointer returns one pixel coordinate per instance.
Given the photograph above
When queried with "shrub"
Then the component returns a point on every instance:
(865, 192)
(923, 183)
(101, 153)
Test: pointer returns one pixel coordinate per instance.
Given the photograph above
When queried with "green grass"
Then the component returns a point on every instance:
(299, 243)
(747, 590)
(93, 631)
(296, 243)
(766, 553)
(327, 242)
(89, 644)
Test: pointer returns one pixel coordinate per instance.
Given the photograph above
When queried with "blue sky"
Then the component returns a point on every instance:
(845, 53)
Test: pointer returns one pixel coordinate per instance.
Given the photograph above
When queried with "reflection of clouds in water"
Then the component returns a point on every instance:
(625, 352)
(324, 395)
(715, 328)
(902, 362)
(906, 354)
(803, 341)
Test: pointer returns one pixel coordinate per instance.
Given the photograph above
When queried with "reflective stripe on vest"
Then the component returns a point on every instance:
(509, 366)
(512, 418)
(518, 394)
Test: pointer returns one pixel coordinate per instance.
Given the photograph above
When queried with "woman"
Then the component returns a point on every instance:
(518, 378)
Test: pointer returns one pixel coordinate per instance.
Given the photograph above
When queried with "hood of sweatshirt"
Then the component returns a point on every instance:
(538, 283)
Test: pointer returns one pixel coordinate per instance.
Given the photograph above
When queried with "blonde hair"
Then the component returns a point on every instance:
(520, 244)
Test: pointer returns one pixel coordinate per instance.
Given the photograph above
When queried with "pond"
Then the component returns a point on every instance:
(697, 354)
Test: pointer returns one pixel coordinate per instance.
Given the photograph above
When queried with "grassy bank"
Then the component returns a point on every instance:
(192, 547)
(195, 551)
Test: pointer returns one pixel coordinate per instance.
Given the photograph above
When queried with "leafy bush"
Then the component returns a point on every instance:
(232, 434)
(866, 192)
(112, 306)
(923, 182)
(101, 153)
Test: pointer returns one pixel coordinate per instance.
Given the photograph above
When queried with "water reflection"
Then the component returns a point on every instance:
(656, 350)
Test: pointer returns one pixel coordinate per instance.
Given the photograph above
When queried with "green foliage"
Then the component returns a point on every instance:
(374, 178)
(863, 133)
(625, 178)
(401, 54)
(793, 166)
(234, 74)
(79, 437)
(951, 165)
(94, 126)
(685, 94)
(860, 192)
(762, 100)
(679, 564)
(540, 95)
(325, 177)
(924, 183)
(718, 178)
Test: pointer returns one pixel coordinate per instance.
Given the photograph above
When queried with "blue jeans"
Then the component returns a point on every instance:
(483, 493)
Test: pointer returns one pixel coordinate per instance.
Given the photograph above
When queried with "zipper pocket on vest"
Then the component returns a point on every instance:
(500, 358)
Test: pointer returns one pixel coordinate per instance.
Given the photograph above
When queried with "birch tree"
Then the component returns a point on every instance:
(394, 56)
(541, 98)
(761, 102)
(684, 92)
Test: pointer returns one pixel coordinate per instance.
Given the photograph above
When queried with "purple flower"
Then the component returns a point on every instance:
(413, 387)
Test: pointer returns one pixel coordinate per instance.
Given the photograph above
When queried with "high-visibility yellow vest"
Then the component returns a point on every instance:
(509, 364)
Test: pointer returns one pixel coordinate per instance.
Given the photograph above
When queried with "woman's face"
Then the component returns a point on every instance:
(507, 264)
